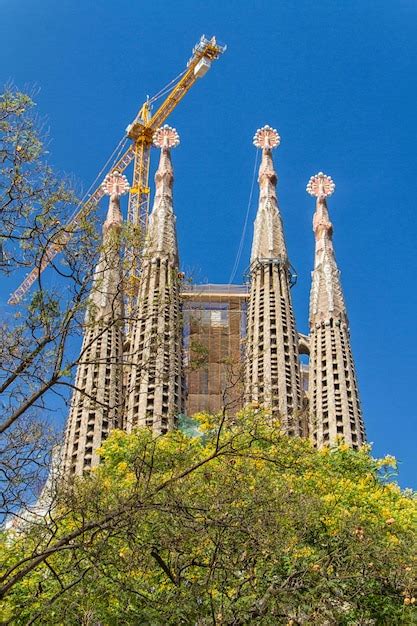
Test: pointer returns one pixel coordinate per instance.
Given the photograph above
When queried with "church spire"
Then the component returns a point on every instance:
(326, 295)
(155, 382)
(97, 402)
(273, 371)
(268, 239)
(162, 237)
(334, 399)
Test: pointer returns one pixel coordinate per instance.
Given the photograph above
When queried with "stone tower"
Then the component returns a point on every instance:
(272, 369)
(97, 402)
(334, 400)
(155, 388)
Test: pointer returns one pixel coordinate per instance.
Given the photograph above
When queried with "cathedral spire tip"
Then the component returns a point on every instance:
(320, 185)
(266, 138)
(334, 401)
(268, 238)
(166, 137)
(115, 184)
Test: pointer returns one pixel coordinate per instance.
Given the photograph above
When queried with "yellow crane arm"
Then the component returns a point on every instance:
(206, 51)
(144, 126)
(61, 239)
(141, 131)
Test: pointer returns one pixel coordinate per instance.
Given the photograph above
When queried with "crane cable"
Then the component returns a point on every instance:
(118, 149)
(167, 87)
(242, 239)
(112, 159)
(123, 141)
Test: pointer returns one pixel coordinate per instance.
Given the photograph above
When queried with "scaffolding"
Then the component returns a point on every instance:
(214, 318)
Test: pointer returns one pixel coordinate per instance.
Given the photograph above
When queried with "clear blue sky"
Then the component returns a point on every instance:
(338, 81)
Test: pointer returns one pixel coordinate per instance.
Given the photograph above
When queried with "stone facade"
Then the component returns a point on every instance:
(213, 347)
(155, 382)
(272, 363)
(98, 399)
(334, 399)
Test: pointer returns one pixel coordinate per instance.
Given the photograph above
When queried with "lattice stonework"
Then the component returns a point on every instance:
(155, 387)
(140, 382)
(335, 411)
(97, 402)
(272, 369)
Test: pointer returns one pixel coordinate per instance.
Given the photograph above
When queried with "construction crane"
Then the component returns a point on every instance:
(141, 133)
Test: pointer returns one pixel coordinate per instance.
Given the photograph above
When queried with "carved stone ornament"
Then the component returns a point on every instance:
(320, 186)
(115, 184)
(166, 137)
(266, 138)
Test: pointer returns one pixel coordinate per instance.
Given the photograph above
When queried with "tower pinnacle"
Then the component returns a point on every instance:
(155, 383)
(161, 237)
(334, 399)
(272, 372)
(321, 186)
(326, 295)
(97, 402)
(114, 186)
(166, 137)
(268, 240)
(266, 138)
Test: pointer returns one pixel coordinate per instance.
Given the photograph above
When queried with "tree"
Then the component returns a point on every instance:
(226, 521)
(233, 524)
(37, 338)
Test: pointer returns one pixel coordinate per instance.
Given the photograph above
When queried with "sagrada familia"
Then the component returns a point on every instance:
(212, 347)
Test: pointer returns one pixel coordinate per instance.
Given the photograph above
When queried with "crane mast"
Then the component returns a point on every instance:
(143, 128)
(141, 133)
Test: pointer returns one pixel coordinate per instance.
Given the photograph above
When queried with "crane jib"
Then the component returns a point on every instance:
(205, 51)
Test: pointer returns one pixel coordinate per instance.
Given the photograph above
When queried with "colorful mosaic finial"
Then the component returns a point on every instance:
(166, 137)
(320, 186)
(115, 184)
(266, 138)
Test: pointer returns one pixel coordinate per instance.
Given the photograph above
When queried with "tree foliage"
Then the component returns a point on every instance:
(37, 361)
(237, 525)
(222, 522)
